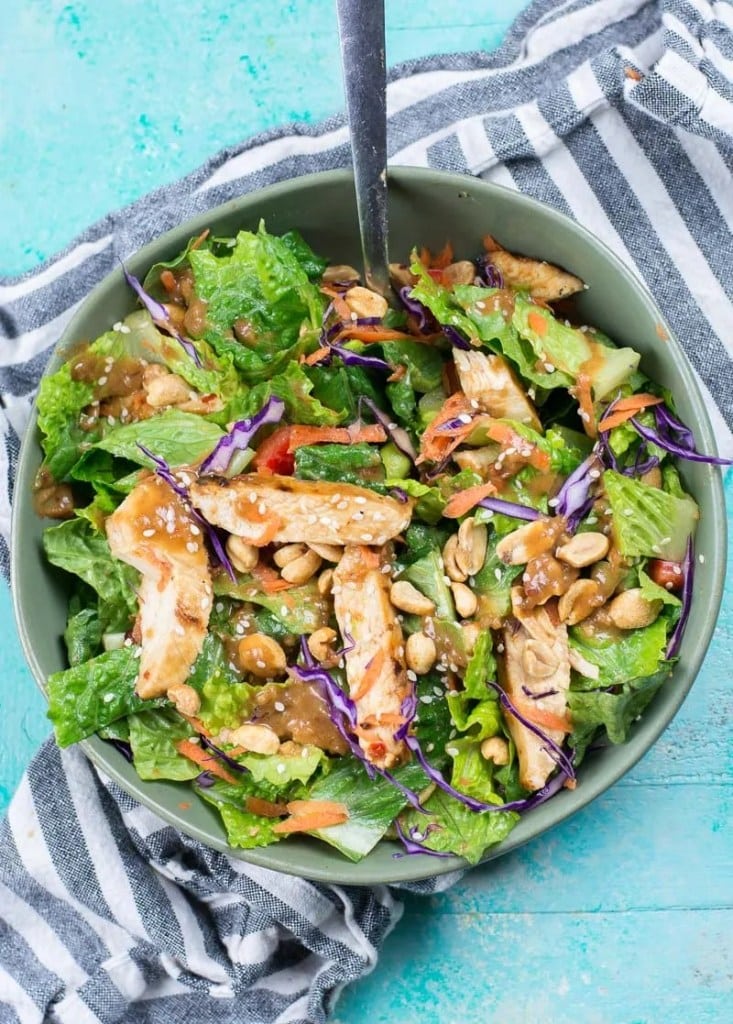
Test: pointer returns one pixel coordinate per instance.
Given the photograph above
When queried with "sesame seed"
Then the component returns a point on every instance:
(497, 573)
(550, 367)
(701, 559)
(179, 630)
(280, 768)
(342, 505)
(205, 602)
(192, 546)
(118, 326)
(219, 606)
(195, 530)
(262, 508)
(500, 648)
(411, 676)
(260, 663)
(426, 699)
(453, 751)
(628, 512)
(360, 500)
(124, 329)
(437, 691)
(102, 381)
(474, 403)
(594, 474)
(367, 537)
(148, 533)
(464, 418)
(553, 502)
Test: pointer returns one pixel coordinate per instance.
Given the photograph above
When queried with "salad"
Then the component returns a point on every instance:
(358, 571)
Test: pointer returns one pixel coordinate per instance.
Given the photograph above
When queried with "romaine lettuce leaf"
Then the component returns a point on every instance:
(262, 282)
(300, 609)
(475, 708)
(634, 654)
(224, 697)
(281, 770)
(181, 438)
(647, 520)
(83, 633)
(152, 736)
(428, 575)
(352, 464)
(244, 829)
(85, 697)
(453, 828)
(373, 804)
(60, 403)
(78, 548)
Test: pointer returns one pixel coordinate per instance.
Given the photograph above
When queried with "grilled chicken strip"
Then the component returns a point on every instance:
(278, 509)
(544, 281)
(536, 659)
(375, 665)
(154, 531)
(491, 383)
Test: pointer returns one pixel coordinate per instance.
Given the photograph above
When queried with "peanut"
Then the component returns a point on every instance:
(629, 610)
(338, 273)
(243, 556)
(365, 303)
(465, 600)
(584, 549)
(409, 599)
(471, 549)
(583, 597)
(300, 569)
(449, 560)
(260, 739)
(325, 582)
(288, 553)
(320, 643)
(471, 631)
(462, 272)
(185, 698)
(529, 541)
(420, 653)
(262, 656)
(496, 749)
(328, 552)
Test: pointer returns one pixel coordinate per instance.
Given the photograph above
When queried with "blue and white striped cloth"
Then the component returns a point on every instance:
(617, 112)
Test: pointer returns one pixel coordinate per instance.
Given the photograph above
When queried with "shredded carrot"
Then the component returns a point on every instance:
(302, 435)
(440, 261)
(311, 822)
(317, 356)
(270, 582)
(168, 280)
(372, 334)
(308, 815)
(464, 501)
(537, 323)
(437, 444)
(625, 408)
(371, 675)
(206, 761)
(539, 716)
(584, 398)
(198, 725)
(507, 437)
(201, 239)
(397, 374)
(266, 809)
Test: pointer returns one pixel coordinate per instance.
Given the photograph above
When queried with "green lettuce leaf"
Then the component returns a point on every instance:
(60, 403)
(83, 633)
(181, 438)
(453, 828)
(153, 735)
(358, 464)
(428, 575)
(244, 829)
(634, 654)
(373, 804)
(647, 520)
(281, 770)
(300, 609)
(78, 548)
(224, 697)
(85, 697)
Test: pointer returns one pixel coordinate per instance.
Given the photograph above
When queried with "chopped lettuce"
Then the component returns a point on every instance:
(634, 654)
(78, 548)
(85, 697)
(282, 769)
(181, 438)
(428, 575)
(261, 282)
(152, 736)
(224, 697)
(372, 804)
(300, 609)
(61, 400)
(452, 828)
(83, 633)
(351, 464)
(475, 709)
(648, 521)
(244, 829)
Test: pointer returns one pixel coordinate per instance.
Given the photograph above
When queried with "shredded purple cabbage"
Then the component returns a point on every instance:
(342, 712)
(219, 753)
(454, 424)
(455, 337)
(399, 435)
(123, 747)
(510, 508)
(161, 316)
(349, 358)
(412, 846)
(538, 696)
(426, 323)
(688, 571)
(399, 494)
(205, 780)
(240, 436)
(163, 470)
(558, 755)
(489, 275)
(662, 437)
(574, 500)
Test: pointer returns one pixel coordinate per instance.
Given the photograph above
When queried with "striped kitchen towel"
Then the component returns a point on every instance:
(617, 112)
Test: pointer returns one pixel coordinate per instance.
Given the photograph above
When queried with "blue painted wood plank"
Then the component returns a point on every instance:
(550, 968)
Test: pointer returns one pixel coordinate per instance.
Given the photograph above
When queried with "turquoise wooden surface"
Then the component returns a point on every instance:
(622, 915)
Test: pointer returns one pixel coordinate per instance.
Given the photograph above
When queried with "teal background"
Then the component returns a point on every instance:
(623, 915)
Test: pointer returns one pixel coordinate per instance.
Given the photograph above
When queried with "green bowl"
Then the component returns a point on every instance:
(425, 208)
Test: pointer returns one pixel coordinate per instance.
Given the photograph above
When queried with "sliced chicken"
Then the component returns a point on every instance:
(536, 662)
(375, 665)
(492, 386)
(154, 531)
(278, 509)
(544, 281)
